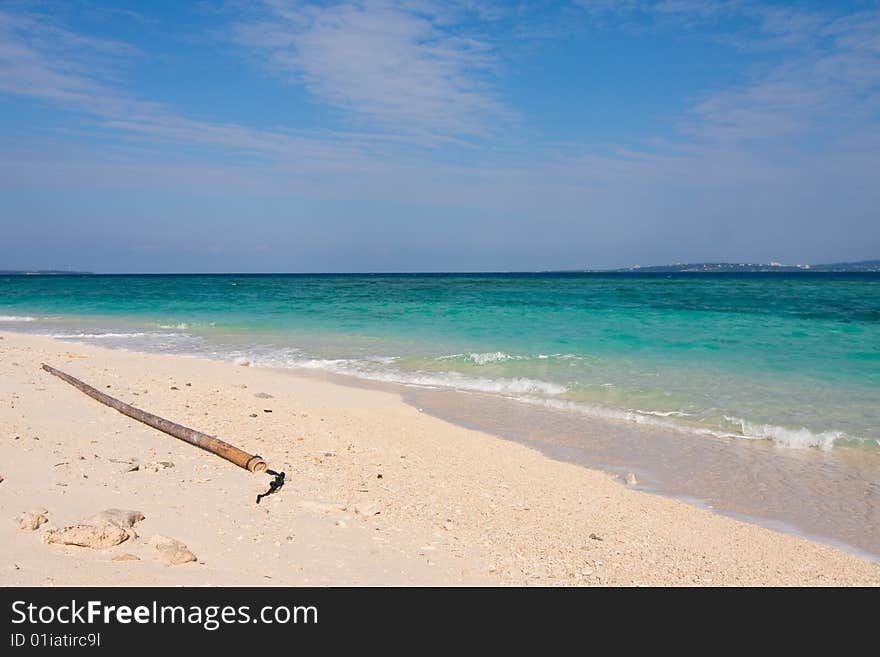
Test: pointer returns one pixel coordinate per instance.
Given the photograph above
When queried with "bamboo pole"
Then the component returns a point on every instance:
(250, 462)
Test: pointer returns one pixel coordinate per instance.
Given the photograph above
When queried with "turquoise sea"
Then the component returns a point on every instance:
(793, 359)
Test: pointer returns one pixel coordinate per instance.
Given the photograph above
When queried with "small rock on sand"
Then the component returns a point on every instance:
(264, 395)
(126, 557)
(171, 550)
(242, 362)
(90, 536)
(32, 520)
(102, 530)
(125, 518)
(368, 508)
(630, 479)
(155, 466)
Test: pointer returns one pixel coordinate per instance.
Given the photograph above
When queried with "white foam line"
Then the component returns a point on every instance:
(532, 391)
(98, 336)
(780, 436)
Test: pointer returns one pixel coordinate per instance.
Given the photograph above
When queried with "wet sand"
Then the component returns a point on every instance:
(831, 496)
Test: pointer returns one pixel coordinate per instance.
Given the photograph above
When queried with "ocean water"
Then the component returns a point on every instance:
(793, 359)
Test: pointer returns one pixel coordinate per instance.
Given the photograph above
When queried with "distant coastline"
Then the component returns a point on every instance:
(724, 267)
(42, 272)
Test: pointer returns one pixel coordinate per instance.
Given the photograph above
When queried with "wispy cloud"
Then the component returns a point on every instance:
(45, 61)
(406, 67)
(826, 88)
(813, 74)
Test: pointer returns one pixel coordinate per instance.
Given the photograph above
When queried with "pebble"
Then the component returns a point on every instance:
(155, 466)
(125, 518)
(171, 550)
(368, 508)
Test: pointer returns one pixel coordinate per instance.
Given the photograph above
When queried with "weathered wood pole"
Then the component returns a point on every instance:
(212, 444)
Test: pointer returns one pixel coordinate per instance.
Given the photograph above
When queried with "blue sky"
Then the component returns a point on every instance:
(434, 136)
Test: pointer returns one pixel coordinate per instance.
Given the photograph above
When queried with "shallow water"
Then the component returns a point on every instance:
(791, 358)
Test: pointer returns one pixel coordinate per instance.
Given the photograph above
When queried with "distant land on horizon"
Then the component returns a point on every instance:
(725, 267)
(677, 268)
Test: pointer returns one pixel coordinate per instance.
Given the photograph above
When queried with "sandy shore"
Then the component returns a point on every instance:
(377, 493)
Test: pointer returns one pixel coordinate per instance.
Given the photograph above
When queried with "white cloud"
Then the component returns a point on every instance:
(43, 61)
(807, 74)
(404, 67)
(828, 87)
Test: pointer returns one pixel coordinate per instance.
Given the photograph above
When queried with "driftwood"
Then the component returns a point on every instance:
(212, 444)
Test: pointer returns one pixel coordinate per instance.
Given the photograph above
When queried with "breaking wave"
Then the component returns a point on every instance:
(482, 358)
(792, 438)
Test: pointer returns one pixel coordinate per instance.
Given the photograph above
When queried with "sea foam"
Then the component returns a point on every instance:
(784, 437)
(109, 334)
(485, 358)
(793, 438)
(373, 370)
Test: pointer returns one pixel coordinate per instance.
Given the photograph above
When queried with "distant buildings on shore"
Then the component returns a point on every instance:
(722, 267)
